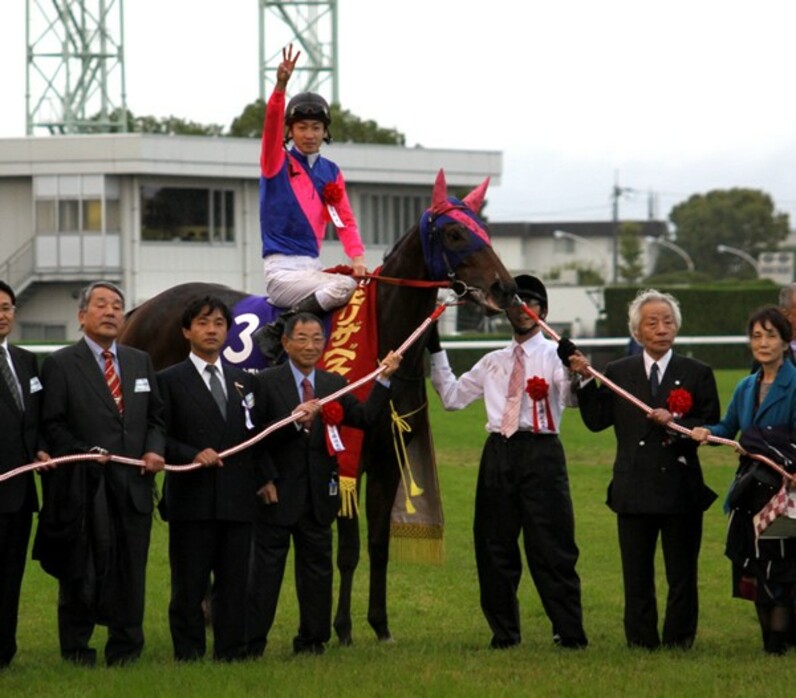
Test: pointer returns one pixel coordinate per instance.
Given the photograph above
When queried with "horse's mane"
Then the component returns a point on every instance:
(396, 248)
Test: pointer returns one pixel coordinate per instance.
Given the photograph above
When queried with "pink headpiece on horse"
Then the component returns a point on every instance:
(443, 205)
(446, 210)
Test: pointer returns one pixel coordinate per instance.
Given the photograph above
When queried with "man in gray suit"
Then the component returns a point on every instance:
(96, 518)
(20, 443)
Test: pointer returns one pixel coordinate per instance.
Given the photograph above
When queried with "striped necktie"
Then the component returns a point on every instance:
(112, 379)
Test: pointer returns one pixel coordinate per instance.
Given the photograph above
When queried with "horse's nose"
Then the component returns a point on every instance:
(503, 292)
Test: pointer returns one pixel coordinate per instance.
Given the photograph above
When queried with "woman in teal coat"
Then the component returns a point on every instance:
(764, 571)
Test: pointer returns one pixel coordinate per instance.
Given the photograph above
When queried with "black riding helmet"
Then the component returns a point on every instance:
(309, 106)
(531, 288)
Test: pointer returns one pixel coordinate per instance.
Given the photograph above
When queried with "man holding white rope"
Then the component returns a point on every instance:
(657, 487)
(95, 523)
(522, 480)
(20, 405)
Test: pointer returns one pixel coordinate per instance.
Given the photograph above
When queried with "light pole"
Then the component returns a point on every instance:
(689, 263)
(560, 234)
(726, 249)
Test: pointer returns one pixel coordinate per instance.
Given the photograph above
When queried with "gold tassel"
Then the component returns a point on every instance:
(349, 504)
(400, 427)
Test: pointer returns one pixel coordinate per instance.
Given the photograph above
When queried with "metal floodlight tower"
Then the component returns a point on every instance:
(311, 26)
(75, 66)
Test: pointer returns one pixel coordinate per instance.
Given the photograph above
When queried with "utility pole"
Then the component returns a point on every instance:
(616, 193)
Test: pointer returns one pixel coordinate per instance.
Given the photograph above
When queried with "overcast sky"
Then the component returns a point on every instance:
(677, 96)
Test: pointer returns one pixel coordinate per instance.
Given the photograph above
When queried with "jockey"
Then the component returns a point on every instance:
(300, 192)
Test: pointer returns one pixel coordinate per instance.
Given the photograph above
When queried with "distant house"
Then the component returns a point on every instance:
(553, 251)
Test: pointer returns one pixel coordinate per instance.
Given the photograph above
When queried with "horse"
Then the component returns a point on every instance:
(449, 243)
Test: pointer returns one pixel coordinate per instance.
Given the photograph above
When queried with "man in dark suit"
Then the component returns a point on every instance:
(95, 523)
(299, 484)
(209, 408)
(20, 443)
(657, 487)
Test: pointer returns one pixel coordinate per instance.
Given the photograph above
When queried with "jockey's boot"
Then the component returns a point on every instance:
(269, 337)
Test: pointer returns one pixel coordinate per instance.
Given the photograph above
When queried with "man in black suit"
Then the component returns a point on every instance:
(96, 518)
(657, 487)
(209, 408)
(20, 443)
(299, 484)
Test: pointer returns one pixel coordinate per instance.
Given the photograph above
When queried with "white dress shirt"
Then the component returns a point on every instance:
(489, 378)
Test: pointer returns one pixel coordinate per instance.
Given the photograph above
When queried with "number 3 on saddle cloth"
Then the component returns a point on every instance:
(351, 351)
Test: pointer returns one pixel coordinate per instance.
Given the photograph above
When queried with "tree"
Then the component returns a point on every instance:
(346, 127)
(630, 267)
(743, 218)
(170, 125)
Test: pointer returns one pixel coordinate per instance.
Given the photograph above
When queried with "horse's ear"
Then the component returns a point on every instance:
(475, 199)
(439, 199)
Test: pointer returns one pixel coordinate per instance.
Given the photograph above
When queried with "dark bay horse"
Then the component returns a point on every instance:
(449, 243)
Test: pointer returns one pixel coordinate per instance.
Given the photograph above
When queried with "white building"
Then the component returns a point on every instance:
(150, 211)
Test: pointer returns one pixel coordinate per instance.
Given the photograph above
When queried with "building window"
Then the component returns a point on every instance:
(75, 204)
(42, 332)
(187, 214)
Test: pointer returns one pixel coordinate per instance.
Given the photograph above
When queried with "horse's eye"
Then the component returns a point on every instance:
(456, 238)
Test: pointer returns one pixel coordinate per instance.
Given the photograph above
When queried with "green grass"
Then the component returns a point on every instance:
(441, 635)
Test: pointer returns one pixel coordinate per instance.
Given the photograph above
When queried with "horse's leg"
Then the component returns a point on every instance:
(347, 561)
(381, 486)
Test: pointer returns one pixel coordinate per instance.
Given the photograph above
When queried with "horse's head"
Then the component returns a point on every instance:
(456, 246)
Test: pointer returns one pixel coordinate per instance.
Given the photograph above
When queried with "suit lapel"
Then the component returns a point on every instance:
(197, 390)
(86, 364)
(5, 390)
(778, 391)
(287, 387)
(23, 374)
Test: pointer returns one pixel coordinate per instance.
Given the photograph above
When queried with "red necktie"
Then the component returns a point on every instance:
(112, 379)
(511, 414)
(307, 393)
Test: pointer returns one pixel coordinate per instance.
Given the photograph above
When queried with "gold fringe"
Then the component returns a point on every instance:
(417, 543)
(349, 504)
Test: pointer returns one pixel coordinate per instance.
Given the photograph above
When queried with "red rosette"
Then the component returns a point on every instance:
(679, 402)
(332, 194)
(537, 388)
(332, 414)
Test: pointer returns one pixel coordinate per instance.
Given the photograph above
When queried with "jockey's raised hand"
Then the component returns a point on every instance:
(285, 69)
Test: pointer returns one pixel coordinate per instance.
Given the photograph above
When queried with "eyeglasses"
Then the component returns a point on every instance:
(304, 341)
(7, 309)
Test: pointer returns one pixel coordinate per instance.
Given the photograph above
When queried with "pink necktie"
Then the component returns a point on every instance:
(511, 414)
(112, 379)
(307, 393)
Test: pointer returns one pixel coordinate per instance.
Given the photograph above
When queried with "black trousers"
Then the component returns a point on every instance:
(523, 488)
(197, 549)
(313, 573)
(78, 615)
(681, 536)
(14, 535)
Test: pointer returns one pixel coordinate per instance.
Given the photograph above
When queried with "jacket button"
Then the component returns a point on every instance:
(641, 443)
